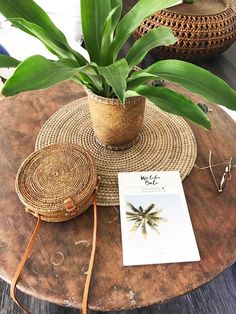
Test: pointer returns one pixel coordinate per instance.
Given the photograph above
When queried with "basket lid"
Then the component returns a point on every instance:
(57, 182)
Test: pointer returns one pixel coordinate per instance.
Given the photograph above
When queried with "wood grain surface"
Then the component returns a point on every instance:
(218, 296)
(113, 286)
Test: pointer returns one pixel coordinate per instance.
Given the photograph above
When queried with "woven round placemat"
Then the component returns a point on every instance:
(57, 182)
(166, 142)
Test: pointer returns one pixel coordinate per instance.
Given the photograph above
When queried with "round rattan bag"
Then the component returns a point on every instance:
(57, 182)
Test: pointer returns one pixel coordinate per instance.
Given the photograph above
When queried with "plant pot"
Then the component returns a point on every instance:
(204, 29)
(116, 126)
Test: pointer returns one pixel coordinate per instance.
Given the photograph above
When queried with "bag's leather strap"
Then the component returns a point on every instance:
(21, 265)
(91, 262)
(29, 248)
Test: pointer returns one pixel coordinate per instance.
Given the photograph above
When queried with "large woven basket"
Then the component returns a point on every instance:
(204, 29)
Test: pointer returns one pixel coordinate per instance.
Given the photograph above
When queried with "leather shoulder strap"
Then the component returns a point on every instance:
(21, 265)
(92, 256)
(29, 249)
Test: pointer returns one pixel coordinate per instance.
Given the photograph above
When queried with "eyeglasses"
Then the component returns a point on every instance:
(226, 175)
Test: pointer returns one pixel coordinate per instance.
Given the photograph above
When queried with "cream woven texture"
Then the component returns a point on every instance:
(166, 143)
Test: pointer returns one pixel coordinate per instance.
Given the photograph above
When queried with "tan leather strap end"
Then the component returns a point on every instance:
(92, 256)
(21, 265)
(29, 249)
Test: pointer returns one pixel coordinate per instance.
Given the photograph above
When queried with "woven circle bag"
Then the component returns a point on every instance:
(57, 183)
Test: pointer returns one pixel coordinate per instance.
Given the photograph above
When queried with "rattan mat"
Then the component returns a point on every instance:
(166, 143)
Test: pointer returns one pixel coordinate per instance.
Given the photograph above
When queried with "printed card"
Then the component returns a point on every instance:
(155, 222)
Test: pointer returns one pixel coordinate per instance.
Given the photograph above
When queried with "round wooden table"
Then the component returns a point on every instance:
(58, 264)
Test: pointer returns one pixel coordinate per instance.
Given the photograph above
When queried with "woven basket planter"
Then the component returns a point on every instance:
(204, 29)
(116, 126)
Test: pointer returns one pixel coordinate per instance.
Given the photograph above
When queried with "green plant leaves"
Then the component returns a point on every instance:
(93, 17)
(196, 80)
(29, 17)
(94, 79)
(140, 77)
(37, 72)
(30, 11)
(104, 35)
(174, 103)
(56, 47)
(161, 36)
(115, 76)
(107, 36)
(117, 15)
(8, 62)
(134, 18)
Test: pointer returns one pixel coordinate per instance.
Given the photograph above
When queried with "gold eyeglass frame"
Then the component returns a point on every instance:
(226, 175)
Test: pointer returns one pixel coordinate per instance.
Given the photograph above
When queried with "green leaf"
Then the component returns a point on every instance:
(161, 36)
(130, 93)
(83, 79)
(115, 76)
(29, 17)
(93, 16)
(115, 3)
(86, 81)
(134, 18)
(62, 50)
(174, 103)
(140, 77)
(8, 62)
(37, 72)
(117, 14)
(30, 11)
(196, 80)
(56, 47)
(107, 36)
(93, 76)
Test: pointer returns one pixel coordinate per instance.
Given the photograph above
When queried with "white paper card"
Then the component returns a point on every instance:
(155, 222)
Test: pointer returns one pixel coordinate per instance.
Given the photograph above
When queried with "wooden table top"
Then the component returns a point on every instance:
(113, 286)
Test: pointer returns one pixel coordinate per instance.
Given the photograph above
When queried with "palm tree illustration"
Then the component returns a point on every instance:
(144, 219)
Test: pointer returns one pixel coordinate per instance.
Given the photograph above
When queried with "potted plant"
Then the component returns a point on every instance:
(116, 93)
